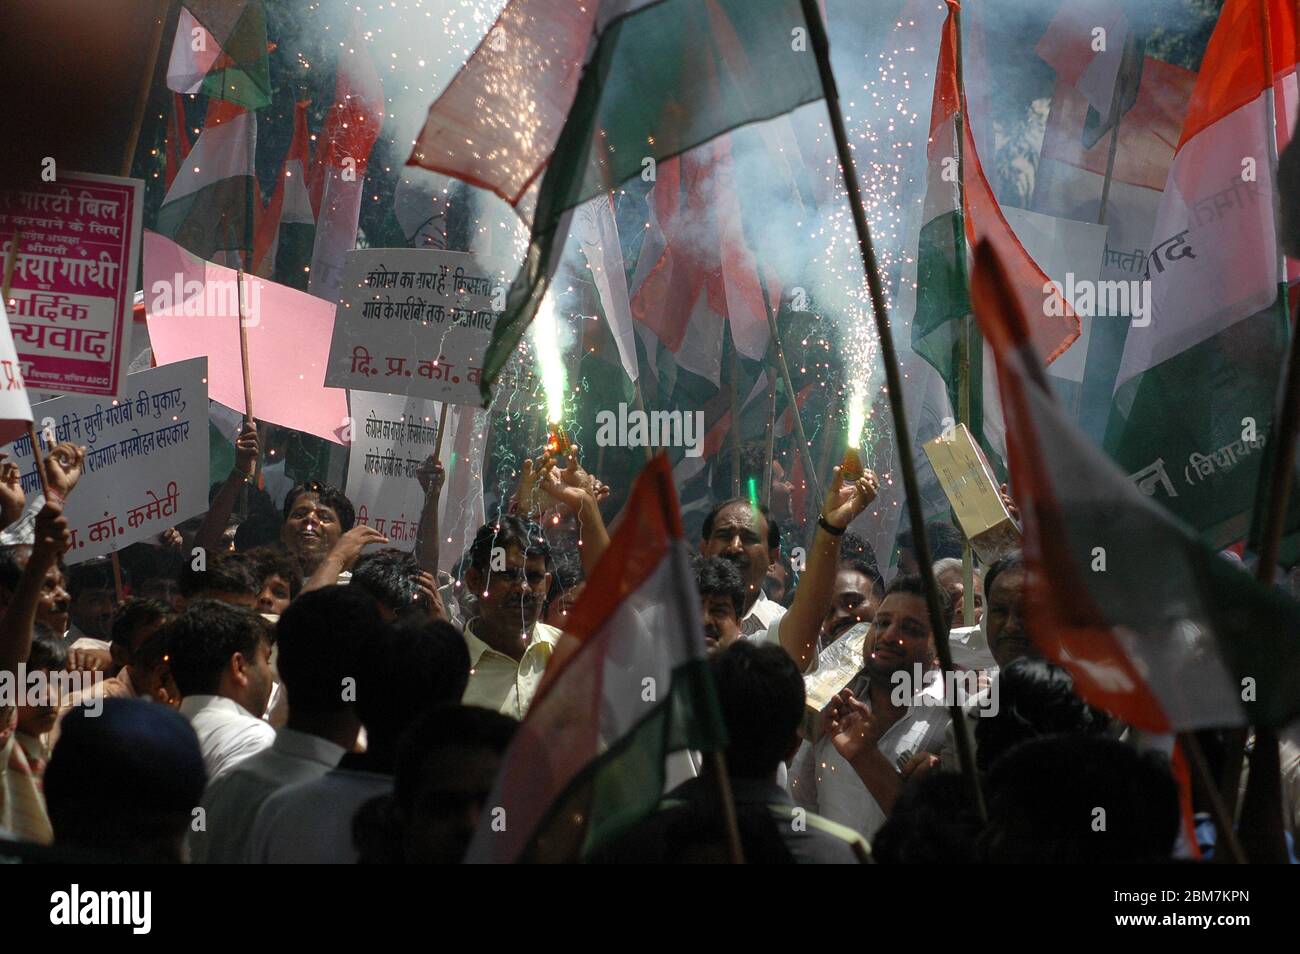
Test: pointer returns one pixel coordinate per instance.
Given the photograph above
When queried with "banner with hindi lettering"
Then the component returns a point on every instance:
(391, 436)
(146, 457)
(416, 322)
(78, 256)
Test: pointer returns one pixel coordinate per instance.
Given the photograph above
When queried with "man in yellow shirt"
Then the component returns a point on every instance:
(509, 574)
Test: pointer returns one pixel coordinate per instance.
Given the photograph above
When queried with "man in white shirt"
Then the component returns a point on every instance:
(221, 661)
(882, 723)
(509, 646)
(746, 535)
(321, 640)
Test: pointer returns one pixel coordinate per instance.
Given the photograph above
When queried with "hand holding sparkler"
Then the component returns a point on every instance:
(847, 498)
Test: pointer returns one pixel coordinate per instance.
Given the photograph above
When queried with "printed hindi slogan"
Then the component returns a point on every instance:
(146, 457)
(78, 253)
(416, 322)
(392, 436)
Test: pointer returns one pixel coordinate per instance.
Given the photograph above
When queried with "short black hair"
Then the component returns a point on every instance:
(854, 548)
(912, 584)
(773, 528)
(269, 561)
(444, 726)
(761, 695)
(1044, 797)
(565, 575)
(202, 640)
(1011, 560)
(12, 560)
(1035, 698)
(716, 576)
(412, 666)
(510, 530)
(330, 496)
(389, 575)
(932, 822)
(866, 569)
(133, 614)
(322, 638)
(945, 540)
(222, 573)
(92, 575)
(49, 651)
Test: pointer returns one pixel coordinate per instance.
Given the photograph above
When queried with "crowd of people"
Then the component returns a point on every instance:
(287, 687)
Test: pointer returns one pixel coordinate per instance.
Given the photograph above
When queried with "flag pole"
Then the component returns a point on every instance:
(821, 49)
(791, 393)
(1261, 810)
(1115, 118)
(442, 429)
(769, 450)
(248, 379)
(146, 85)
(963, 359)
(729, 341)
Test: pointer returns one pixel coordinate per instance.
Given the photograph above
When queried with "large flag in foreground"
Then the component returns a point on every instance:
(942, 300)
(590, 94)
(1153, 626)
(1197, 385)
(628, 686)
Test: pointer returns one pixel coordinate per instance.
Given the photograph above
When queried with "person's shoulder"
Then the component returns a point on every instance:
(826, 841)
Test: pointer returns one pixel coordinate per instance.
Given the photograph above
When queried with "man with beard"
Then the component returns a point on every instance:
(883, 725)
(722, 596)
(858, 591)
(745, 534)
(510, 573)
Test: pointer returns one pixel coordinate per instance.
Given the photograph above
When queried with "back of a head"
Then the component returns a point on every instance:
(388, 575)
(202, 640)
(222, 573)
(322, 639)
(122, 784)
(761, 694)
(451, 726)
(932, 822)
(412, 665)
(508, 531)
(1035, 698)
(1079, 799)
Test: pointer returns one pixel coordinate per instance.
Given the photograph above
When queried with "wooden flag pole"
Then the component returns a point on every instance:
(442, 429)
(146, 85)
(894, 384)
(248, 383)
(770, 448)
(729, 342)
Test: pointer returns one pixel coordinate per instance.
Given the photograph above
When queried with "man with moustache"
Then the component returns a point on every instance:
(722, 598)
(747, 536)
(853, 773)
(858, 591)
(510, 573)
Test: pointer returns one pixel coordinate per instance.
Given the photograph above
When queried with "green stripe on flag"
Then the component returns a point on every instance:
(217, 217)
(242, 75)
(624, 784)
(663, 79)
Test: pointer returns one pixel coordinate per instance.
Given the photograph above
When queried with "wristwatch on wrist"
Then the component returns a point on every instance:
(832, 530)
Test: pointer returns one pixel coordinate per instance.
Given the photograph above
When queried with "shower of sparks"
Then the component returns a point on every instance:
(545, 332)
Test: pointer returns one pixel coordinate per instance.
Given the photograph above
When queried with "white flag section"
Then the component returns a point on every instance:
(146, 457)
(15, 411)
(597, 233)
(416, 322)
(391, 436)
(626, 687)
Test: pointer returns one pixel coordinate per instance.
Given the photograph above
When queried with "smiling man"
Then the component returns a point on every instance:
(509, 646)
(853, 773)
(53, 602)
(315, 516)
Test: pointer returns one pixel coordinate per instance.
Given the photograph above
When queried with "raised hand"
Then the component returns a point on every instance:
(427, 586)
(12, 498)
(844, 501)
(63, 468)
(353, 542)
(246, 449)
(853, 730)
(431, 476)
(51, 536)
(1009, 503)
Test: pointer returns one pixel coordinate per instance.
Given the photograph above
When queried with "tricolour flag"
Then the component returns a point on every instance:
(597, 232)
(627, 687)
(1154, 626)
(220, 51)
(1194, 396)
(942, 297)
(283, 245)
(209, 207)
(578, 97)
(338, 173)
(177, 141)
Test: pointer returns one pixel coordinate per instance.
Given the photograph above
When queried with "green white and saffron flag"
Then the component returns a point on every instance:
(563, 101)
(209, 207)
(627, 688)
(220, 51)
(1195, 394)
(287, 230)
